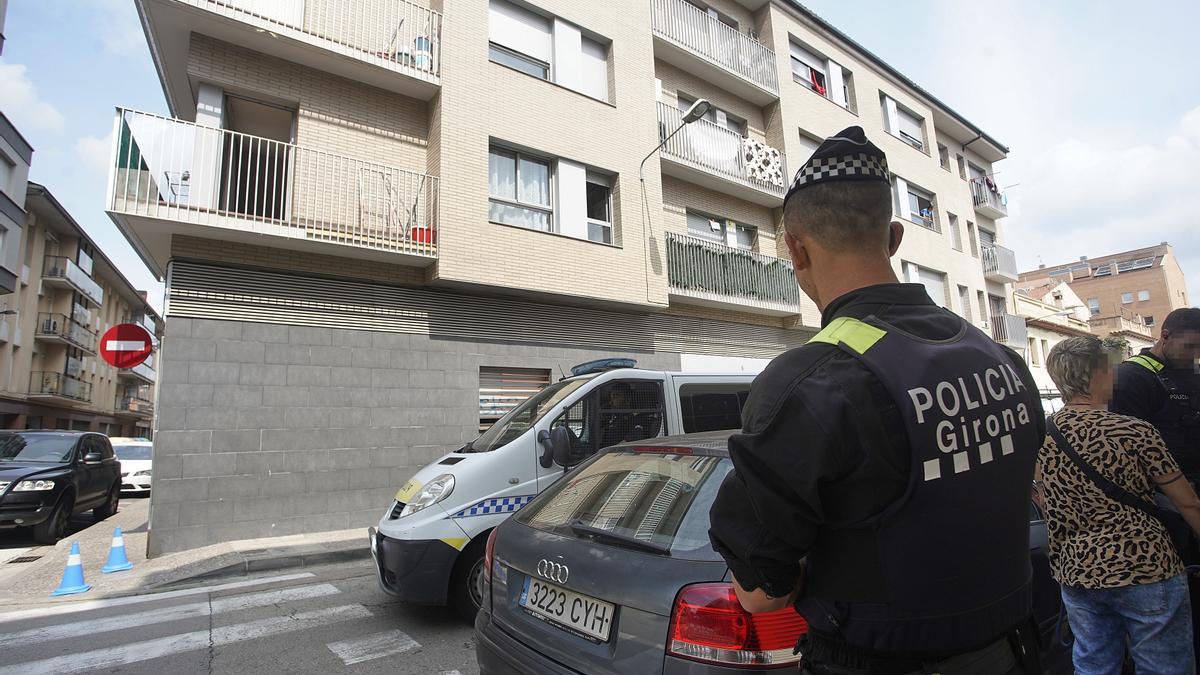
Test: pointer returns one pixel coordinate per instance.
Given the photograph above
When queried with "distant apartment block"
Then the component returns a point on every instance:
(1129, 292)
(68, 294)
(1052, 313)
(381, 226)
(15, 157)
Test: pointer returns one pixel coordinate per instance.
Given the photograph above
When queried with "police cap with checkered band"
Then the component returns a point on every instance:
(847, 155)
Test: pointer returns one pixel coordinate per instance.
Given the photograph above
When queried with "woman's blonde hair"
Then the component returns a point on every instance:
(1072, 362)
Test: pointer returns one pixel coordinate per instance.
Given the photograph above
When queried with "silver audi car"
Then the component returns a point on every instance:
(610, 571)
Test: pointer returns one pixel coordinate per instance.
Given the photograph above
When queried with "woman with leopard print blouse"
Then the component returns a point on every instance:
(1122, 581)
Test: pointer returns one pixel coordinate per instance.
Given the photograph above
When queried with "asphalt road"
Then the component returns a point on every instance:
(323, 620)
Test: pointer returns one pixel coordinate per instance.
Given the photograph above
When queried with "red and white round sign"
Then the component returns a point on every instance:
(126, 345)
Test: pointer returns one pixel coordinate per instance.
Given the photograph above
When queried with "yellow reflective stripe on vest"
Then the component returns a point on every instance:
(1147, 363)
(851, 332)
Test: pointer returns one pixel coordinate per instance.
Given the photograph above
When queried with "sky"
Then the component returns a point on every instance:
(1097, 100)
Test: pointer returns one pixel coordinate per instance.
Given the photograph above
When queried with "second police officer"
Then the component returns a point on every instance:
(882, 476)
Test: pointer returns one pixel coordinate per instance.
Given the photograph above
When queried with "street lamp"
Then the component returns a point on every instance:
(1062, 312)
(694, 112)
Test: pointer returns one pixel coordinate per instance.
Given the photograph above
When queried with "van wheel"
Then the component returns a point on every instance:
(466, 581)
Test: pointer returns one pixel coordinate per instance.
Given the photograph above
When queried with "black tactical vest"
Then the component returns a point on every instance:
(953, 552)
(1178, 420)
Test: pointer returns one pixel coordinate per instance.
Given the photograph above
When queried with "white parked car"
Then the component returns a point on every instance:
(136, 455)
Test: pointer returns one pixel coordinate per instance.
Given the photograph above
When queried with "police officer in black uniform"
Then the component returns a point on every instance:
(882, 477)
(1161, 385)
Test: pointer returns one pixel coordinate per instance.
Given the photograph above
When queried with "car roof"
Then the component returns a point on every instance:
(60, 432)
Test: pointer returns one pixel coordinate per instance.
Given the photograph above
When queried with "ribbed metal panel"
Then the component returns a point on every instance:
(203, 291)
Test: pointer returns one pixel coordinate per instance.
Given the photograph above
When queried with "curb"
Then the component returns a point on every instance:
(284, 560)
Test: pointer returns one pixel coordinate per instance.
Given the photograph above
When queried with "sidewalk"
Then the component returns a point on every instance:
(33, 584)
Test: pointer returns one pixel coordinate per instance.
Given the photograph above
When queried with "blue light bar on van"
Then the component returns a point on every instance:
(601, 365)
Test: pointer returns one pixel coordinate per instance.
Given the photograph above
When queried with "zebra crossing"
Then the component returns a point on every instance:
(321, 624)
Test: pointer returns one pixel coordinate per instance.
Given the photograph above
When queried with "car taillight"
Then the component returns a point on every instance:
(487, 556)
(708, 624)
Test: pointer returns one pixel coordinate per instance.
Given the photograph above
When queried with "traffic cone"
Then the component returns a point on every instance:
(117, 561)
(72, 581)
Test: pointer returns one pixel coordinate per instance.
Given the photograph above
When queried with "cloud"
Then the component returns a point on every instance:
(19, 100)
(120, 30)
(95, 152)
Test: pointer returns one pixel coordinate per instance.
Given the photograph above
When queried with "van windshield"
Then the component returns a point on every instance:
(522, 418)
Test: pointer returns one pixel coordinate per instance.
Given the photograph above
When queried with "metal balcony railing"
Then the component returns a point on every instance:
(1010, 329)
(1123, 321)
(60, 268)
(999, 263)
(176, 170)
(988, 200)
(144, 371)
(388, 32)
(710, 147)
(63, 327)
(716, 270)
(135, 405)
(694, 29)
(58, 384)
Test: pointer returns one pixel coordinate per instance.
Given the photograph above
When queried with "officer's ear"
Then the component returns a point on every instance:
(895, 236)
(797, 249)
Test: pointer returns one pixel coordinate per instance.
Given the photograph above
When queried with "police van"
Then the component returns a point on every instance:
(429, 545)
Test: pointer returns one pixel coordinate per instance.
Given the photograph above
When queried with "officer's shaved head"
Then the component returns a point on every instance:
(842, 216)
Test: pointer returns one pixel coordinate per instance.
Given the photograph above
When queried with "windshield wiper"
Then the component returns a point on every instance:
(617, 538)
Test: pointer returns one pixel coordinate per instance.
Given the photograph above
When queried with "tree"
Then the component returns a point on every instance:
(1117, 344)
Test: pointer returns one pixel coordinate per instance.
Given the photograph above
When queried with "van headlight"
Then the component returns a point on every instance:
(431, 493)
(33, 486)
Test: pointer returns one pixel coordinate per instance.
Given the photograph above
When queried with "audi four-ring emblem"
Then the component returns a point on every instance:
(556, 572)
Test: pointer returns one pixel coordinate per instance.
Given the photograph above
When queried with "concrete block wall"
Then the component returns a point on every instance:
(269, 430)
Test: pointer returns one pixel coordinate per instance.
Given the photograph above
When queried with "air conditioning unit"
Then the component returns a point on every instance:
(24, 275)
(50, 326)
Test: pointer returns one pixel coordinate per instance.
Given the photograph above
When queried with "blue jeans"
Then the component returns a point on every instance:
(1154, 619)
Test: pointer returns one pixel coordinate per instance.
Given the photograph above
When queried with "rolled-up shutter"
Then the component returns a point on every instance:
(520, 30)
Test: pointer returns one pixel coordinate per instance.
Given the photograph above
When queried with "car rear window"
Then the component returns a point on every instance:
(659, 498)
(132, 452)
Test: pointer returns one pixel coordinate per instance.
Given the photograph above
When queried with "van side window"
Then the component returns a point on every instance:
(712, 407)
(579, 419)
(630, 410)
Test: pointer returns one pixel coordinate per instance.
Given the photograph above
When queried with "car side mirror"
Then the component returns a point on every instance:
(563, 440)
(544, 440)
(92, 458)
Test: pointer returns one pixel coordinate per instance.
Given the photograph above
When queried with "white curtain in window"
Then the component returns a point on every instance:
(594, 69)
(520, 30)
(535, 182)
(502, 174)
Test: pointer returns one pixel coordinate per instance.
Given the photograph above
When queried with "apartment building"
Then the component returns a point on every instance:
(1052, 313)
(1123, 290)
(15, 157)
(68, 293)
(380, 227)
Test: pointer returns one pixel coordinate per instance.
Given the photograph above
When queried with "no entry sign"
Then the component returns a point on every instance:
(126, 345)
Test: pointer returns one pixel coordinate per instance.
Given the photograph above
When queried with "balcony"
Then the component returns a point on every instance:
(62, 272)
(142, 372)
(710, 155)
(391, 44)
(687, 37)
(132, 405)
(57, 386)
(62, 329)
(169, 177)
(1010, 330)
(1122, 323)
(706, 273)
(989, 201)
(999, 264)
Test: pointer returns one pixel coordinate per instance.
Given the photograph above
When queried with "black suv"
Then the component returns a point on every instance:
(48, 476)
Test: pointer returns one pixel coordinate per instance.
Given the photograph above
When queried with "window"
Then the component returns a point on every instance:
(921, 209)
(903, 123)
(1045, 348)
(808, 145)
(519, 186)
(630, 411)
(1126, 298)
(1148, 320)
(501, 389)
(933, 281)
(715, 115)
(1034, 360)
(721, 230)
(519, 38)
(962, 167)
(971, 237)
(944, 156)
(712, 407)
(593, 79)
(808, 69)
(7, 169)
(964, 302)
(955, 232)
(1094, 305)
(599, 209)
(1143, 296)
